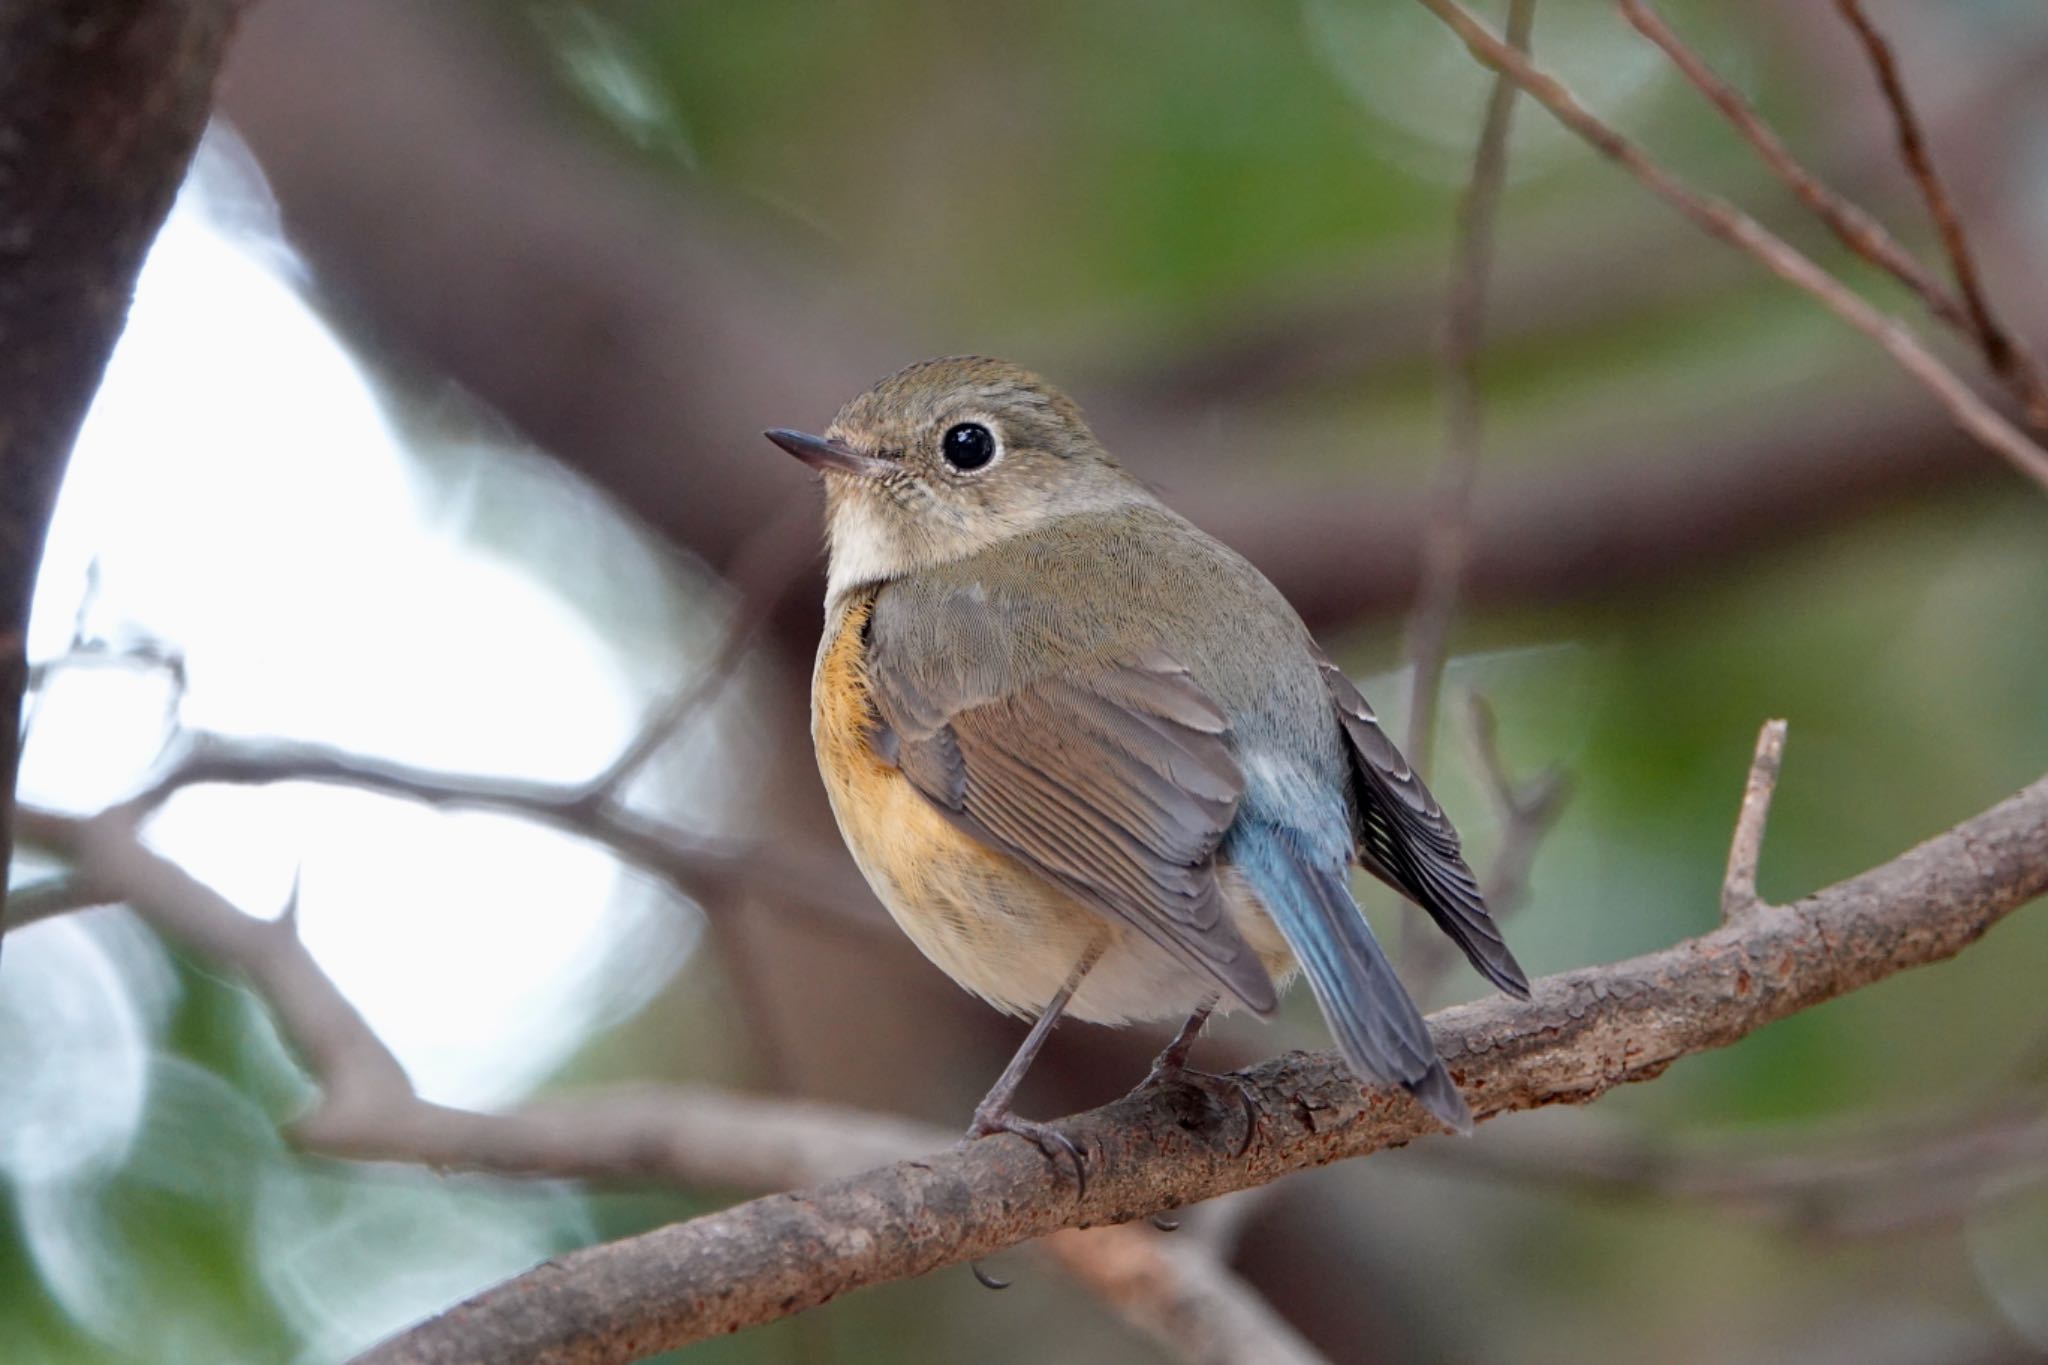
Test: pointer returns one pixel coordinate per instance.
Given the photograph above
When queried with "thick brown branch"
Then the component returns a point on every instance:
(1581, 1034)
(100, 109)
(1721, 219)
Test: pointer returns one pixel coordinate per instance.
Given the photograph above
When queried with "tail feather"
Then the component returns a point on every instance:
(1376, 1024)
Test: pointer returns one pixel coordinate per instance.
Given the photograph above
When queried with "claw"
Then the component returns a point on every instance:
(1164, 1223)
(986, 1280)
(1043, 1136)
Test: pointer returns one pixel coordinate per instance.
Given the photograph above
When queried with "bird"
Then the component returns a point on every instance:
(1090, 759)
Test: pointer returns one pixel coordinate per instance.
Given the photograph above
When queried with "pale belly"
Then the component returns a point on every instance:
(1014, 939)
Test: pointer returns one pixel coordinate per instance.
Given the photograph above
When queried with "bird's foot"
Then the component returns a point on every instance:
(1048, 1139)
(1172, 1070)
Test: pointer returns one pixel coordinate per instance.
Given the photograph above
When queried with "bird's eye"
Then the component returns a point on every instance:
(968, 445)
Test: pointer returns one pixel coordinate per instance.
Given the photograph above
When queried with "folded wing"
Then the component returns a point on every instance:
(1117, 784)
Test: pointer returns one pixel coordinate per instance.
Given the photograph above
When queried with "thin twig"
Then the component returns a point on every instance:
(668, 721)
(2004, 353)
(710, 874)
(1447, 536)
(1721, 219)
(1745, 849)
(1857, 230)
(1527, 810)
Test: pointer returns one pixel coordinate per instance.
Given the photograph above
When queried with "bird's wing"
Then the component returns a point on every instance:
(1407, 841)
(1116, 783)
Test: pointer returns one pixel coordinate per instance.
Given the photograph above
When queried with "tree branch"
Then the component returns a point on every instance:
(708, 873)
(1745, 849)
(1447, 535)
(1721, 219)
(2003, 352)
(1969, 315)
(1581, 1034)
(1863, 1185)
(100, 110)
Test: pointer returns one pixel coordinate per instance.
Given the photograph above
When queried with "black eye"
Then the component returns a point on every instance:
(968, 445)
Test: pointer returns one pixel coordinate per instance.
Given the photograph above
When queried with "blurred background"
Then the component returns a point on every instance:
(434, 438)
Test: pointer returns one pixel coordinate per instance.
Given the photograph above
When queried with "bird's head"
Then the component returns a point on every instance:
(947, 458)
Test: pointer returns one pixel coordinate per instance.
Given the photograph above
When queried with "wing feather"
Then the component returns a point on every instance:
(1117, 784)
(1407, 841)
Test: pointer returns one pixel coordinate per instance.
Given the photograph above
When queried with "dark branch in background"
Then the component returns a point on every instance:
(2007, 359)
(1901, 1178)
(1721, 219)
(1581, 1034)
(101, 107)
(1447, 534)
(2003, 352)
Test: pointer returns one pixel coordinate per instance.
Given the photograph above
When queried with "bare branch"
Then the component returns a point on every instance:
(1858, 230)
(760, 577)
(1446, 537)
(710, 874)
(1721, 219)
(2003, 352)
(310, 1008)
(1581, 1034)
(1180, 1295)
(99, 112)
(58, 896)
(1738, 888)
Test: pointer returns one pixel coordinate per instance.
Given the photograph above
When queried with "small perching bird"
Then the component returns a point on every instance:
(1089, 758)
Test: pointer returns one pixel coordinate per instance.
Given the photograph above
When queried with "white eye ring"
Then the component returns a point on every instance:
(969, 446)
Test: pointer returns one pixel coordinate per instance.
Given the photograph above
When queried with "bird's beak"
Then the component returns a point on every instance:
(829, 456)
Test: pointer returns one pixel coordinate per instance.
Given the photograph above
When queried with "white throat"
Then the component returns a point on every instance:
(863, 550)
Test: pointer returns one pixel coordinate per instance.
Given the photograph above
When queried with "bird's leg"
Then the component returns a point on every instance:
(993, 1114)
(1171, 1067)
(1172, 1063)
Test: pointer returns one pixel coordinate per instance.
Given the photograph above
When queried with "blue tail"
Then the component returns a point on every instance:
(1376, 1024)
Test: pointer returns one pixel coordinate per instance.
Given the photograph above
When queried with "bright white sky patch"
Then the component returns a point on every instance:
(240, 496)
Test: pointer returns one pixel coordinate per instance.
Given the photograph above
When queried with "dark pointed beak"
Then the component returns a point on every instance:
(835, 456)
